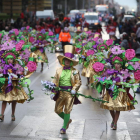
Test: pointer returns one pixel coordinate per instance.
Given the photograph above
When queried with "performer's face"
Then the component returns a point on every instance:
(12, 38)
(67, 62)
(10, 61)
(117, 66)
(102, 49)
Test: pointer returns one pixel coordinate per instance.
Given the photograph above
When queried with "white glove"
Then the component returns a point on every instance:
(121, 78)
(52, 96)
(108, 65)
(114, 82)
(105, 53)
(109, 77)
(73, 92)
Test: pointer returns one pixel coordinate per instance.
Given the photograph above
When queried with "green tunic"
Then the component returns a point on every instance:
(65, 78)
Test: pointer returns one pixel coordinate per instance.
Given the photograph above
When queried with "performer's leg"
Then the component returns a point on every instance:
(3, 110)
(117, 116)
(4, 104)
(88, 81)
(69, 100)
(60, 105)
(42, 64)
(112, 114)
(66, 120)
(13, 110)
(113, 117)
(62, 115)
(13, 107)
(116, 119)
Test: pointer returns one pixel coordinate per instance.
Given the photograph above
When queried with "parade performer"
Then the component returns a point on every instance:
(87, 67)
(65, 37)
(118, 81)
(39, 50)
(66, 77)
(15, 65)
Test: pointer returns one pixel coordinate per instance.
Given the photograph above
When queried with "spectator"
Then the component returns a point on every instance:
(125, 42)
(22, 15)
(57, 30)
(115, 39)
(138, 33)
(65, 37)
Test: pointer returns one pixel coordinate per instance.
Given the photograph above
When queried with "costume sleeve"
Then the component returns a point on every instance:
(55, 81)
(77, 82)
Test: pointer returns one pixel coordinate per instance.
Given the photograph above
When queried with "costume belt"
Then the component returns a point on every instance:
(66, 87)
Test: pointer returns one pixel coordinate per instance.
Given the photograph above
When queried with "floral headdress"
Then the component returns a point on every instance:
(10, 54)
(40, 35)
(102, 46)
(12, 34)
(117, 59)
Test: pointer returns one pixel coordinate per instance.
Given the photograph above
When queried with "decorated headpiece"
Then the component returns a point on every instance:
(117, 59)
(40, 35)
(69, 54)
(102, 46)
(10, 54)
(12, 34)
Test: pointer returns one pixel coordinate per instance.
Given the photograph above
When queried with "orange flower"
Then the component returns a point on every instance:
(10, 70)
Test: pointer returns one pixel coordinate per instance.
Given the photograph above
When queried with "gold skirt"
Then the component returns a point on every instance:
(121, 103)
(87, 71)
(42, 55)
(15, 95)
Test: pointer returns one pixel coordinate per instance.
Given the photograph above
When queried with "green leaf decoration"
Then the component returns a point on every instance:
(99, 87)
(121, 90)
(78, 46)
(53, 77)
(33, 49)
(26, 46)
(2, 82)
(86, 64)
(17, 87)
(130, 67)
(26, 83)
(135, 59)
(80, 60)
(103, 61)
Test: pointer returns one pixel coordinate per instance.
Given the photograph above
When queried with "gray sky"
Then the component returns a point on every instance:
(132, 4)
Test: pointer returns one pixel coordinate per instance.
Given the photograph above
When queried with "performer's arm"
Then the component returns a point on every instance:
(77, 82)
(55, 81)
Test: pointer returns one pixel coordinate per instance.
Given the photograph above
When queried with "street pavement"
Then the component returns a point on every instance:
(37, 120)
